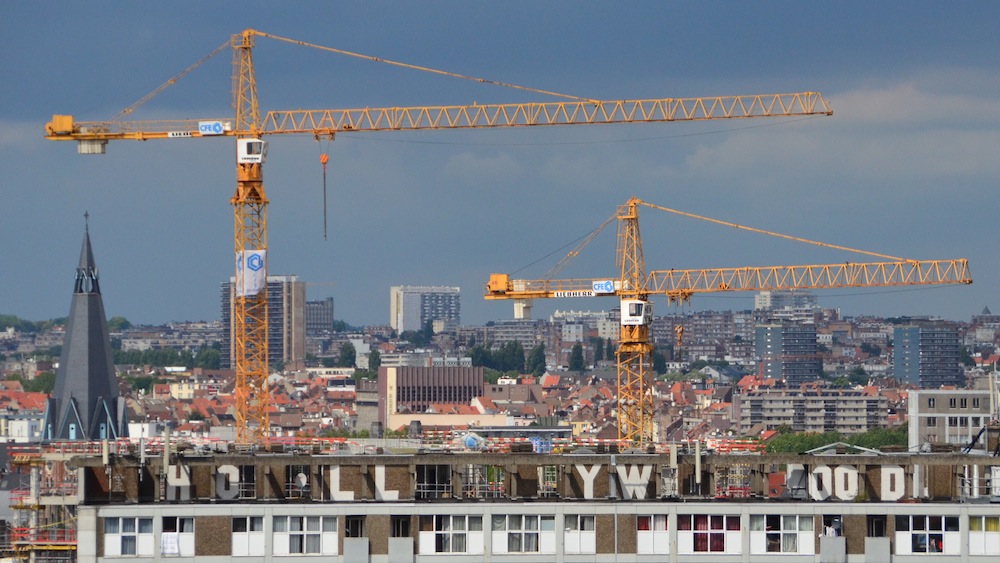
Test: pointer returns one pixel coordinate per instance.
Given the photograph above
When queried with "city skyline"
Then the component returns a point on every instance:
(905, 166)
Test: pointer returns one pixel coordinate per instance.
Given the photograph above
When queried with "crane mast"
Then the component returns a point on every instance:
(249, 297)
(634, 286)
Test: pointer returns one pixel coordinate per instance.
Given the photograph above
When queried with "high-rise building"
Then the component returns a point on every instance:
(415, 389)
(86, 403)
(319, 316)
(927, 354)
(789, 351)
(781, 299)
(286, 319)
(411, 307)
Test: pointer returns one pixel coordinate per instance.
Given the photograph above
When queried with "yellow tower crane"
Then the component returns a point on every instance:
(250, 125)
(633, 286)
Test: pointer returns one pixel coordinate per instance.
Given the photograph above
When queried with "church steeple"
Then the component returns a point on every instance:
(86, 402)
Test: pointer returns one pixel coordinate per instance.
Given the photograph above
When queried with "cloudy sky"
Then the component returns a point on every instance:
(907, 166)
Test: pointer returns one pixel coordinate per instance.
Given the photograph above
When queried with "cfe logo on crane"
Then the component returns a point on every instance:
(251, 273)
(211, 127)
(604, 286)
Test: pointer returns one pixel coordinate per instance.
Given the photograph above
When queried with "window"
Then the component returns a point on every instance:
(399, 526)
(984, 535)
(952, 403)
(963, 403)
(177, 537)
(876, 525)
(248, 482)
(703, 533)
(975, 402)
(128, 536)
(580, 535)
(305, 535)
(433, 481)
(452, 533)
(297, 481)
(930, 402)
(248, 536)
(782, 533)
(523, 533)
(651, 534)
(931, 421)
(354, 527)
(927, 534)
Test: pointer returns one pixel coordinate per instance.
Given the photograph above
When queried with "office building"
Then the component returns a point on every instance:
(927, 354)
(788, 351)
(415, 389)
(286, 319)
(950, 416)
(319, 316)
(411, 307)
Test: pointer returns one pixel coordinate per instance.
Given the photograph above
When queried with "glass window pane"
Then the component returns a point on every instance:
(700, 542)
(701, 522)
(295, 544)
(951, 523)
(111, 525)
(975, 523)
(531, 542)
(458, 543)
(295, 524)
(902, 523)
(548, 523)
(642, 523)
(717, 542)
(499, 523)
(530, 522)
(935, 523)
(145, 525)
(128, 545)
(476, 523)
(458, 523)
(513, 543)
(684, 522)
(280, 523)
(919, 522)
(187, 525)
(718, 522)
(733, 523)
(992, 524)
(256, 523)
(756, 522)
(128, 525)
(312, 523)
(805, 523)
(312, 543)
(789, 523)
(789, 543)
(330, 524)
(587, 523)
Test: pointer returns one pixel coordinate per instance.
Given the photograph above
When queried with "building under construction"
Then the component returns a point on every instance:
(344, 502)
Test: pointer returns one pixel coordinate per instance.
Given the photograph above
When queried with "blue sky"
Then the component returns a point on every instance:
(908, 165)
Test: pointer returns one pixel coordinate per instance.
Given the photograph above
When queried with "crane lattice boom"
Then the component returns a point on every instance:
(250, 202)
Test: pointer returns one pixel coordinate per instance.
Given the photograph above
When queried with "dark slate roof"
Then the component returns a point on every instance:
(86, 393)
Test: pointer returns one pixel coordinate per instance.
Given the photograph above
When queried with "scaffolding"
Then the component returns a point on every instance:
(733, 481)
(43, 527)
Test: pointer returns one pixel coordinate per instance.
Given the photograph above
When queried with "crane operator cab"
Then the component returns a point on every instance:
(251, 151)
(636, 312)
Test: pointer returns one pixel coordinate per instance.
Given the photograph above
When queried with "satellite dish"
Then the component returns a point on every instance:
(301, 481)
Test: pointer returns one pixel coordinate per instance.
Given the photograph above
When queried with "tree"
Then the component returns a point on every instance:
(609, 351)
(535, 364)
(41, 383)
(374, 360)
(348, 356)
(118, 324)
(208, 358)
(659, 362)
(576, 359)
(598, 349)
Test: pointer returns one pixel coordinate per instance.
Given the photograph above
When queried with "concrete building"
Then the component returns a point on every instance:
(415, 389)
(685, 505)
(286, 318)
(789, 351)
(847, 411)
(413, 306)
(927, 354)
(949, 416)
(319, 316)
(782, 299)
